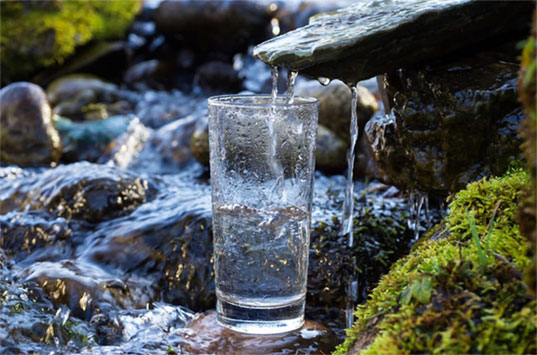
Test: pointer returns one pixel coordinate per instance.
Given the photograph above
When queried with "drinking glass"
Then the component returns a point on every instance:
(262, 152)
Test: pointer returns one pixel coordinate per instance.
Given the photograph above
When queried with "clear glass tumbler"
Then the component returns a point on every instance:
(262, 167)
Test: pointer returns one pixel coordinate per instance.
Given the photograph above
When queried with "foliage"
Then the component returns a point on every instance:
(445, 297)
(37, 34)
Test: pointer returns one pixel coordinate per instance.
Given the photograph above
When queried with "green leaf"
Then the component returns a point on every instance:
(475, 236)
(421, 289)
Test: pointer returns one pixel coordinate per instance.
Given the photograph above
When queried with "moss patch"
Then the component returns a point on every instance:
(457, 291)
(38, 34)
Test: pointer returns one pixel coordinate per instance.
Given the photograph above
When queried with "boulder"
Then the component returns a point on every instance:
(451, 123)
(330, 151)
(27, 135)
(218, 77)
(335, 106)
(374, 37)
(224, 27)
(86, 97)
(84, 191)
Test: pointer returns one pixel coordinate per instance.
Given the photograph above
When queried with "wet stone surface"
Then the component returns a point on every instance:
(400, 33)
(452, 122)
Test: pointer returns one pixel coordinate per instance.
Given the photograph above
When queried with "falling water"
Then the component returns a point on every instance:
(275, 166)
(290, 93)
(348, 207)
(416, 201)
(275, 73)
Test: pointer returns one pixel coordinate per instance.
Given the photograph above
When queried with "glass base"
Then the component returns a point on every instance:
(259, 320)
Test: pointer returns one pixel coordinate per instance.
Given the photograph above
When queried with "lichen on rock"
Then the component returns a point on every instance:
(460, 289)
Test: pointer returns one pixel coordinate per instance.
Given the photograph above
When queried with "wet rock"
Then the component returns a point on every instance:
(29, 322)
(27, 134)
(82, 96)
(451, 123)
(381, 236)
(158, 108)
(204, 335)
(341, 44)
(171, 248)
(167, 150)
(330, 151)
(25, 233)
(89, 140)
(199, 143)
(335, 105)
(83, 288)
(218, 77)
(82, 191)
(217, 26)
(153, 74)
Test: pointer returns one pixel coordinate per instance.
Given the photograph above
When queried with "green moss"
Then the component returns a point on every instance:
(442, 298)
(38, 35)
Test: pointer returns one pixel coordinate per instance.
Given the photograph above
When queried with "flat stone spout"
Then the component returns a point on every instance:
(375, 37)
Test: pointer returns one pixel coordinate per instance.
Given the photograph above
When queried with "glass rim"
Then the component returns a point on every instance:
(241, 100)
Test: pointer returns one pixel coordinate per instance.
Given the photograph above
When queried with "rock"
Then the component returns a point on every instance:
(25, 233)
(442, 283)
(451, 123)
(171, 249)
(330, 151)
(226, 27)
(199, 143)
(167, 150)
(89, 140)
(82, 96)
(28, 320)
(381, 236)
(204, 335)
(83, 288)
(335, 106)
(158, 108)
(371, 38)
(153, 74)
(218, 77)
(34, 37)
(27, 134)
(84, 191)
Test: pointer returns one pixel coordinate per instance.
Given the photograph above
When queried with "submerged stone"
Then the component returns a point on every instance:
(84, 191)
(27, 135)
(203, 334)
(89, 140)
(371, 38)
(451, 122)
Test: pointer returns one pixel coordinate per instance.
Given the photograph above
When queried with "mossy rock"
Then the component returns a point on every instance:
(37, 34)
(457, 291)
